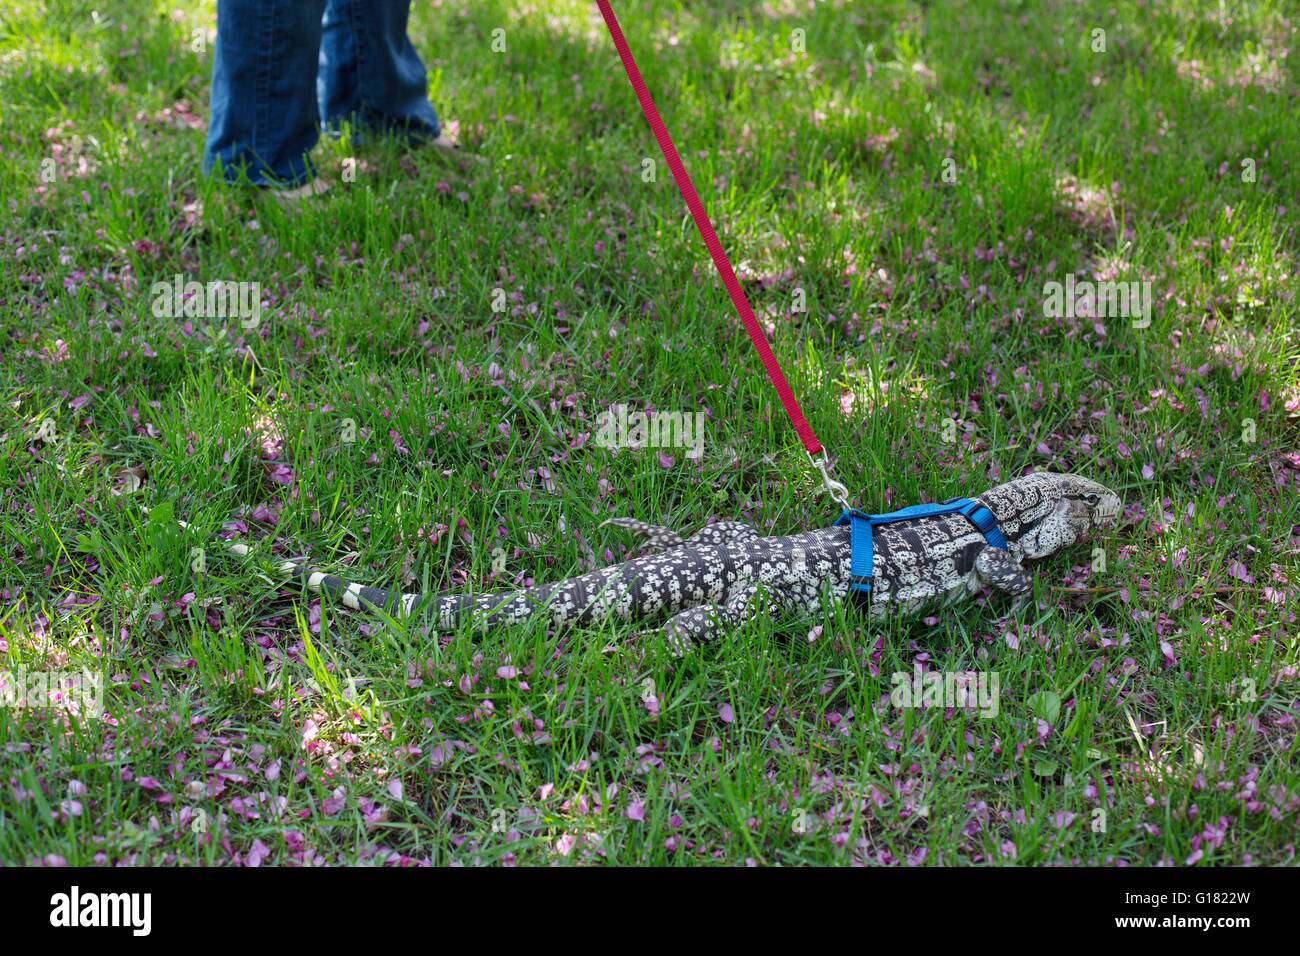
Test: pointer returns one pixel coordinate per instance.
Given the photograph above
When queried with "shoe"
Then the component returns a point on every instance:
(453, 151)
(292, 198)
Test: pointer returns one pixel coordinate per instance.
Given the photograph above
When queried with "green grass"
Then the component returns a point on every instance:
(244, 722)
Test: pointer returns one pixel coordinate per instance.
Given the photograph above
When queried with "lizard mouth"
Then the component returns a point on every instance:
(1105, 517)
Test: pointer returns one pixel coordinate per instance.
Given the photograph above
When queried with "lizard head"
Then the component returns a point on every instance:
(1044, 512)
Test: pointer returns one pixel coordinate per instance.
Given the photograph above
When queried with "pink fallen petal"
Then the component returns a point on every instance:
(332, 805)
(257, 853)
(1168, 651)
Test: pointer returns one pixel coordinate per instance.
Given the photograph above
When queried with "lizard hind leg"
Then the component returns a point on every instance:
(724, 532)
(700, 625)
(653, 537)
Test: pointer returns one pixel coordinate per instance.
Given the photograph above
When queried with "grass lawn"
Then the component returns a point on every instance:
(420, 401)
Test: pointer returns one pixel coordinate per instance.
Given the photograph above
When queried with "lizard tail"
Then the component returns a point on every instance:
(354, 595)
(451, 609)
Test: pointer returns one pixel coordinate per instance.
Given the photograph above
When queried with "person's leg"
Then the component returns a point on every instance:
(370, 73)
(264, 112)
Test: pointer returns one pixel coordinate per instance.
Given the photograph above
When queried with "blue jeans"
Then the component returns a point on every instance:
(285, 67)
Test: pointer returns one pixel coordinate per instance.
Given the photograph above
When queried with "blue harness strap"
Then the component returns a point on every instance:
(861, 525)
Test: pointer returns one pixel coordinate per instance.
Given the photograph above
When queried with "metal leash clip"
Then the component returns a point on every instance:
(839, 494)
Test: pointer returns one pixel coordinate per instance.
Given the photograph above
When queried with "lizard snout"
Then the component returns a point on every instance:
(1106, 512)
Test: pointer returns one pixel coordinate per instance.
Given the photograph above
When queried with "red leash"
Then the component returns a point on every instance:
(720, 260)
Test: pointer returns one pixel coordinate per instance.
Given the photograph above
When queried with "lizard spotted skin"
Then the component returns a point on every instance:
(713, 580)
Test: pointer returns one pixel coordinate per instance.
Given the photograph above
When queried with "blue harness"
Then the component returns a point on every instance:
(861, 524)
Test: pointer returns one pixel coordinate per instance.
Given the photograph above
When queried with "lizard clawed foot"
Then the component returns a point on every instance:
(999, 569)
(653, 537)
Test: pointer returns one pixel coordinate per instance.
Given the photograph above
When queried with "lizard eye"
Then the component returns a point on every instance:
(1091, 498)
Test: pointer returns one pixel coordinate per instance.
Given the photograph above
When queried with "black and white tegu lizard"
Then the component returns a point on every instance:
(712, 579)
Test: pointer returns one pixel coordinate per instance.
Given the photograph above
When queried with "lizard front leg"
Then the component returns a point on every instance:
(702, 624)
(997, 568)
